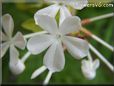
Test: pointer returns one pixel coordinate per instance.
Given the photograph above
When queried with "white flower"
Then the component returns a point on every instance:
(53, 9)
(7, 41)
(54, 58)
(89, 68)
(76, 4)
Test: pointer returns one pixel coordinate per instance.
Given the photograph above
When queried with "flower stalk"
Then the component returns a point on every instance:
(102, 17)
(90, 57)
(34, 34)
(87, 32)
(87, 21)
(25, 57)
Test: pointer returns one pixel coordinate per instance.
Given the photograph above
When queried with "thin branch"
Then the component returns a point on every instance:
(34, 34)
(87, 32)
(25, 57)
(90, 57)
(89, 20)
(109, 65)
(102, 17)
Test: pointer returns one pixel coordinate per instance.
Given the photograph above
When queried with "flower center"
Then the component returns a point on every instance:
(58, 36)
(10, 42)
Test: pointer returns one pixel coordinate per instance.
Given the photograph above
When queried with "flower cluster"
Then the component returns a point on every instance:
(56, 38)
(7, 41)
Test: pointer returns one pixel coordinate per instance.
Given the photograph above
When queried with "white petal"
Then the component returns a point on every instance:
(50, 11)
(15, 64)
(78, 4)
(19, 41)
(39, 43)
(70, 24)
(47, 23)
(14, 54)
(3, 37)
(64, 13)
(54, 58)
(64, 2)
(8, 24)
(3, 48)
(87, 70)
(86, 64)
(96, 64)
(38, 72)
(78, 48)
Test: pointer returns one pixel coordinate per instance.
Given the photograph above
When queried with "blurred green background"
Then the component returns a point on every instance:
(23, 15)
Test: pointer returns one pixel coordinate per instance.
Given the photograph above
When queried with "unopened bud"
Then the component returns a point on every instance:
(17, 68)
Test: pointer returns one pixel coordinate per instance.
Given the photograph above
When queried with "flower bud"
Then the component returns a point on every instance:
(89, 68)
(17, 68)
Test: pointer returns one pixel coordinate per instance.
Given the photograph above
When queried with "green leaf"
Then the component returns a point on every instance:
(30, 25)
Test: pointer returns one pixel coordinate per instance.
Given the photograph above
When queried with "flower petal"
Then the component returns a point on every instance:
(3, 37)
(78, 4)
(96, 64)
(50, 11)
(8, 24)
(64, 13)
(38, 71)
(19, 41)
(86, 63)
(47, 23)
(70, 24)
(3, 48)
(78, 48)
(39, 43)
(48, 77)
(14, 54)
(15, 64)
(54, 58)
